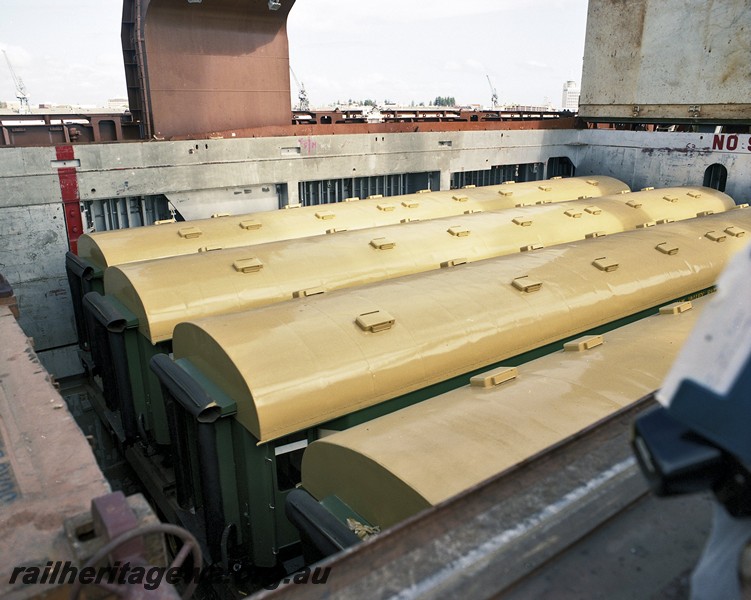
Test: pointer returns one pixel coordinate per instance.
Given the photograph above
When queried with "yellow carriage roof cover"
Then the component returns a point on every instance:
(165, 292)
(107, 248)
(293, 365)
(391, 467)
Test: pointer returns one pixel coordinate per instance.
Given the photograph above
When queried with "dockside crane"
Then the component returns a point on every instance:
(494, 96)
(302, 96)
(21, 94)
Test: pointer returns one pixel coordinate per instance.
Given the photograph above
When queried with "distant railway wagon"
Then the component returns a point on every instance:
(247, 392)
(97, 251)
(152, 297)
(383, 471)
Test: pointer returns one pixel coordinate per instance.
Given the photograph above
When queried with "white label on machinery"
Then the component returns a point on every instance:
(720, 344)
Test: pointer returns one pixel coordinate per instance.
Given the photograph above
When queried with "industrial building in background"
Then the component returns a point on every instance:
(570, 98)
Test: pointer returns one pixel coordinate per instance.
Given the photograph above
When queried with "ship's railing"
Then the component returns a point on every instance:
(65, 128)
(419, 114)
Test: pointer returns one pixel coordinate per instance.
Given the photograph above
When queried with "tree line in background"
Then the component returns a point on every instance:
(444, 101)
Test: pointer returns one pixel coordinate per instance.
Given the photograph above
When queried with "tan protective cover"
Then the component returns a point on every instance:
(165, 292)
(394, 466)
(293, 365)
(122, 246)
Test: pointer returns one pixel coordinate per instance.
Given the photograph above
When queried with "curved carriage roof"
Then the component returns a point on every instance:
(294, 365)
(122, 246)
(391, 467)
(165, 292)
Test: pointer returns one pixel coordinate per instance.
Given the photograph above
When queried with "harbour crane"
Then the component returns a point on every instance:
(494, 97)
(302, 96)
(21, 94)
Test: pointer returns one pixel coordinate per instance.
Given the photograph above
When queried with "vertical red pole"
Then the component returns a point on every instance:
(71, 197)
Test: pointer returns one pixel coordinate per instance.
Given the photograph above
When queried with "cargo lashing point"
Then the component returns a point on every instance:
(250, 224)
(382, 243)
(189, 233)
(605, 264)
(593, 210)
(735, 232)
(583, 343)
(315, 291)
(375, 321)
(454, 262)
(458, 231)
(715, 237)
(676, 308)
(667, 248)
(526, 284)
(494, 378)
(247, 265)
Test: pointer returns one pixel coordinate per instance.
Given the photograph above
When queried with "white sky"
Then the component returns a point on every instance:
(398, 50)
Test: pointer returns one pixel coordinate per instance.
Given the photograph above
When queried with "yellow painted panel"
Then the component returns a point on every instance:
(307, 362)
(447, 444)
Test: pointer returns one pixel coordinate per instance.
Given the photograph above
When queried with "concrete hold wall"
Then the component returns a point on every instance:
(644, 159)
(33, 236)
(667, 59)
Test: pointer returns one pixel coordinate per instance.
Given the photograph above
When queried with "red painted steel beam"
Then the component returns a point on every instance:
(68, 177)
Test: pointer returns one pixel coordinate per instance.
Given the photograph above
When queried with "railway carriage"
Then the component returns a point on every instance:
(247, 392)
(146, 300)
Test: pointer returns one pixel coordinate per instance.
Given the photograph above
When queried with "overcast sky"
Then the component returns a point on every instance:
(398, 50)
